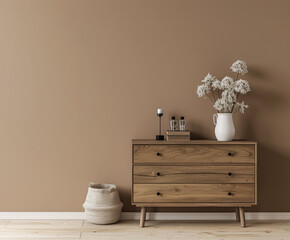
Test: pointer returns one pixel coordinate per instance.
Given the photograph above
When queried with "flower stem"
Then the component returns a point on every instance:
(236, 97)
(219, 93)
(210, 98)
(236, 110)
(213, 96)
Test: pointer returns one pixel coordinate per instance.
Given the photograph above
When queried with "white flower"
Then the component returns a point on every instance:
(219, 105)
(242, 86)
(227, 83)
(230, 89)
(242, 106)
(216, 84)
(209, 79)
(229, 96)
(223, 106)
(239, 67)
(203, 90)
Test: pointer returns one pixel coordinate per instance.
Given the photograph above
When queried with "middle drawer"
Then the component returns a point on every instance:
(194, 174)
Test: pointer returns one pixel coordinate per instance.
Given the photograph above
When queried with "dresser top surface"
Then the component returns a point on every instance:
(165, 142)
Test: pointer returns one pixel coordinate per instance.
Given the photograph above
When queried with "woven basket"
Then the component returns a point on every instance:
(102, 205)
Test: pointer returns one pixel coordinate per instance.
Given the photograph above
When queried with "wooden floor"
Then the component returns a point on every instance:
(79, 229)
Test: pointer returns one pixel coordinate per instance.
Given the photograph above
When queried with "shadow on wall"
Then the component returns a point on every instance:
(125, 196)
(263, 92)
(273, 180)
(267, 105)
(196, 130)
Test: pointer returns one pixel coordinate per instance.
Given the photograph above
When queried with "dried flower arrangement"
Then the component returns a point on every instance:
(224, 93)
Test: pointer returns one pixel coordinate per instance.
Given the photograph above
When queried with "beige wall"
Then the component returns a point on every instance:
(80, 79)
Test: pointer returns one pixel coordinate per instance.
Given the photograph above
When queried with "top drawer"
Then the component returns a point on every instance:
(199, 154)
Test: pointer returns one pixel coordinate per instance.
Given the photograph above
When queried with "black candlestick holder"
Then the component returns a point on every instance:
(159, 137)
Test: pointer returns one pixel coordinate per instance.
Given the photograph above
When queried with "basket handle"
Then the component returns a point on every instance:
(91, 184)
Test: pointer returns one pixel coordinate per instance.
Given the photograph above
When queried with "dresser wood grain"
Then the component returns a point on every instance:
(194, 193)
(202, 154)
(194, 174)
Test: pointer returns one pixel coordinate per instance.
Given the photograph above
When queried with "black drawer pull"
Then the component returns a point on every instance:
(158, 154)
(230, 154)
(230, 174)
(158, 193)
(158, 174)
(230, 194)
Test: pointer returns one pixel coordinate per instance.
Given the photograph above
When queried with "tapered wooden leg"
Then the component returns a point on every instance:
(242, 216)
(143, 217)
(237, 215)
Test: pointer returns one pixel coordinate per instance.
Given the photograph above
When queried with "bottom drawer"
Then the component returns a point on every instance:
(206, 193)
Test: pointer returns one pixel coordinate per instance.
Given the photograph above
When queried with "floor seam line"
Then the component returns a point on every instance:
(82, 229)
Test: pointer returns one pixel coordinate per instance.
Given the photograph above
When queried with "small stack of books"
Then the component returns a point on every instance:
(178, 135)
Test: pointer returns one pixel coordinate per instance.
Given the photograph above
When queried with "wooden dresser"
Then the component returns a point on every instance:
(196, 173)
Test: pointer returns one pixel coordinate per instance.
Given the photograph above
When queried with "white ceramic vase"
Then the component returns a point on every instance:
(224, 126)
(102, 205)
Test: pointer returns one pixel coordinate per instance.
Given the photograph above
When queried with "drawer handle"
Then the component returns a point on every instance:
(158, 154)
(230, 154)
(230, 174)
(230, 194)
(158, 193)
(158, 174)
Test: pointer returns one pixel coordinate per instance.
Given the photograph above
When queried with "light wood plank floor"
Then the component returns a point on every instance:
(79, 229)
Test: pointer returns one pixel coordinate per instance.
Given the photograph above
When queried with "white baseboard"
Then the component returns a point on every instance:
(151, 215)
